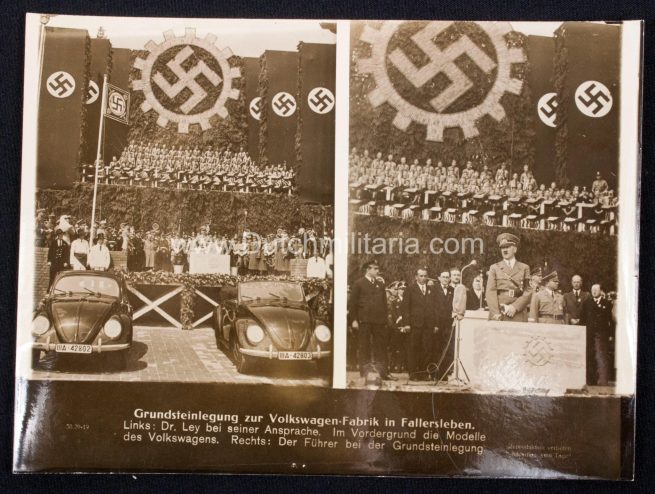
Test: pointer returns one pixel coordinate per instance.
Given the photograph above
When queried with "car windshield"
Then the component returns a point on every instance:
(271, 290)
(87, 284)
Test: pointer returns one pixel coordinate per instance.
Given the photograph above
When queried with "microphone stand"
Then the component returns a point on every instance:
(458, 380)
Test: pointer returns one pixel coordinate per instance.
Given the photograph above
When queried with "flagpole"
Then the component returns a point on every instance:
(101, 128)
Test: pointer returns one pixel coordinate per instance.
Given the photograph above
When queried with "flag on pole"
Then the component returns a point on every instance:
(118, 104)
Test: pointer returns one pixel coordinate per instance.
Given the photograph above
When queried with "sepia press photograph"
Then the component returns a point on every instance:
(484, 208)
(182, 210)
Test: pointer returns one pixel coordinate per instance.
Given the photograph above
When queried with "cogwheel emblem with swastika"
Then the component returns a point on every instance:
(437, 60)
(171, 79)
(538, 351)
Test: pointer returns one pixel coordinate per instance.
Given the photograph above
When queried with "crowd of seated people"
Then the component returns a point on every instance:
(157, 165)
(476, 194)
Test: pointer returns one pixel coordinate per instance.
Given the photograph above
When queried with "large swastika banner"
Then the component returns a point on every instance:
(282, 106)
(116, 132)
(98, 67)
(316, 130)
(541, 50)
(61, 100)
(594, 52)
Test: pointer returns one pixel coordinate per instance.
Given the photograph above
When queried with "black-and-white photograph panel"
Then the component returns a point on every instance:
(490, 200)
(179, 182)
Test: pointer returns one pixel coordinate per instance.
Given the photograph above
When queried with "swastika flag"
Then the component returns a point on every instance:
(118, 104)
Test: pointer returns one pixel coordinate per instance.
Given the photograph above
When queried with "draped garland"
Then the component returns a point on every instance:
(298, 137)
(512, 139)
(263, 122)
(312, 287)
(226, 212)
(560, 71)
(84, 120)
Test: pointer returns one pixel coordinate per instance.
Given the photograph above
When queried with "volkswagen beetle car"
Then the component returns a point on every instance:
(270, 320)
(85, 313)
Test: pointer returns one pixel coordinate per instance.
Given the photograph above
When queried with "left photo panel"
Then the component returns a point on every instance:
(177, 206)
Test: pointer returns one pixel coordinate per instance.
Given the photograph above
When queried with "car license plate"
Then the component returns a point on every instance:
(72, 348)
(294, 355)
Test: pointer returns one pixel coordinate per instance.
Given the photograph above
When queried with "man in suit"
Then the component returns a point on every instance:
(573, 302)
(459, 293)
(508, 286)
(58, 255)
(368, 312)
(442, 352)
(597, 316)
(475, 299)
(420, 319)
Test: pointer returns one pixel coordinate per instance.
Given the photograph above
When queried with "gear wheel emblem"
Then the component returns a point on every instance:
(440, 62)
(184, 115)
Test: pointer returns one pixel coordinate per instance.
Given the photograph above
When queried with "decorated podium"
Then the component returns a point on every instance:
(209, 263)
(521, 357)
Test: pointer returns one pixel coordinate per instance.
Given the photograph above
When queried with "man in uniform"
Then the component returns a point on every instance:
(547, 304)
(368, 312)
(508, 285)
(58, 255)
(599, 186)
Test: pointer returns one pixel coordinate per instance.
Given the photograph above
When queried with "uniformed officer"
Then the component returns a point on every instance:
(547, 304)
(508, 285)
(58, 255)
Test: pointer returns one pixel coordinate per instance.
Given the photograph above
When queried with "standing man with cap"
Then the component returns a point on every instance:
(508, 286)
(58, 255)
(547, 304)
(599, 186)
(99, 258)
(368, 312)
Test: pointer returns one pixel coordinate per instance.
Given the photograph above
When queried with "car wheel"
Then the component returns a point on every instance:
(324, 366)
(36, 357)
(242, 362)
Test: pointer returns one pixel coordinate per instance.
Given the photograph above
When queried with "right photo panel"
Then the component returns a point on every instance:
(483, 207)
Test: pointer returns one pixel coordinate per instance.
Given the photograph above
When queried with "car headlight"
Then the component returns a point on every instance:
(113, 328)
(40, 325)
(322, 333)
(254, 333)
